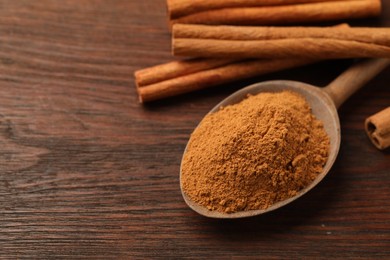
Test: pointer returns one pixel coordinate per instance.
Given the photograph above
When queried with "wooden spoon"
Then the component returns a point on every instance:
(324, 103)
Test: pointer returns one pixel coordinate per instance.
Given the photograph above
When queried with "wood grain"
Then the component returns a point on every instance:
(87, 172)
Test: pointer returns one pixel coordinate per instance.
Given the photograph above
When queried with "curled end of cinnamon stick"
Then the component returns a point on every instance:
(137, 85)
(378, 129)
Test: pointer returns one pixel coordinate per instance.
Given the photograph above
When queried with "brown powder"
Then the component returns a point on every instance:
(255, 153)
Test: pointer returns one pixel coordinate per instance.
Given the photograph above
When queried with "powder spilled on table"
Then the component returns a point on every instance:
(253, 154)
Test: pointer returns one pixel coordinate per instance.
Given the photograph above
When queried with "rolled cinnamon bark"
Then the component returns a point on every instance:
(248, 33)
(313, 48)
(212, 77)
(283, 42)
(378, 129)
(285, 14)
(176, 69)
(178, 8)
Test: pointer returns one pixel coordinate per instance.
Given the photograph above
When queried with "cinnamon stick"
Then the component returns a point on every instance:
(284, 14)
(247, 33)
(286, 42)
(176, 69)
(212, 77)
(378, 129)
(178, 8)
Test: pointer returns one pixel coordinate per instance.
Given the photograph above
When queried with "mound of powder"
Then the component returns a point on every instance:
(255, 153)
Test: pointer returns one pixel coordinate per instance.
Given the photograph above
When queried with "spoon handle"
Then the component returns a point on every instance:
(354, 78)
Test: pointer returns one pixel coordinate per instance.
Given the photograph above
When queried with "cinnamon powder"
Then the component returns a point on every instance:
(255, 153)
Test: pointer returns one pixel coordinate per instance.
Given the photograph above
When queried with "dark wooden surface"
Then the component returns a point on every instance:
(86, 171)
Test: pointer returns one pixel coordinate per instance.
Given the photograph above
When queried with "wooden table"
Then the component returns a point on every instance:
(86, 171)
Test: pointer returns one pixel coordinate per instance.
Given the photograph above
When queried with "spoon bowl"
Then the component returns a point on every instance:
(323, 102)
